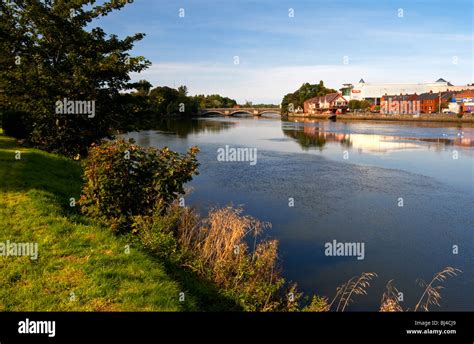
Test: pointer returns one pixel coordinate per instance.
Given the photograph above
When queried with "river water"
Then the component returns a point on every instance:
(404, 190)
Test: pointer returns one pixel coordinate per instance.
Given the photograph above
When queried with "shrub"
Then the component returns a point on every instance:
(16, 123)
(123, 180)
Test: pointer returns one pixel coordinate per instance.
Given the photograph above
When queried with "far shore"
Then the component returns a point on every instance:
(467, 118)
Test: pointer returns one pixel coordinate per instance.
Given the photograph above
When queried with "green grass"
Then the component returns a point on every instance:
(76, 254)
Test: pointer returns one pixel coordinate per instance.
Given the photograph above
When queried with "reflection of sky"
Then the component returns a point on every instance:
(389, 145)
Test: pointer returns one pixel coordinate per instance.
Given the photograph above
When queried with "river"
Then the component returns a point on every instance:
(403, 189)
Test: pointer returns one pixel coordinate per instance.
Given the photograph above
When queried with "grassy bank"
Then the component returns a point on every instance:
(81, 266)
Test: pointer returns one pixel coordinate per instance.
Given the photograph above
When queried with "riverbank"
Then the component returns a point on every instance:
(79, 265)
(380, 117)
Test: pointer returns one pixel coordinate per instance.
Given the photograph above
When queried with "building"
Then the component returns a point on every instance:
(400, 104)
(374, 92)
(430, 101)
(330, 103)
(463, 102)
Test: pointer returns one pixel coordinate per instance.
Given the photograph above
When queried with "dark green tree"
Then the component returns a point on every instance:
(49, 52)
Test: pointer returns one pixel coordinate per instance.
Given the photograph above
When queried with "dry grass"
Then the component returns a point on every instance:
(431, 295)
(227, 249)
(357, 285)
(389, 301)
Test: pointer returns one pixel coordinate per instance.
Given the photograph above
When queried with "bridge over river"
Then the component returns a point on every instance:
(234, 111)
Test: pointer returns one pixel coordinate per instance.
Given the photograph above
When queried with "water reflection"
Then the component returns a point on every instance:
(311, 134)
(184, 127)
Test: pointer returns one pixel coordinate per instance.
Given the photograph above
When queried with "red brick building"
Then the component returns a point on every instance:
(429, 102)
(330, 103)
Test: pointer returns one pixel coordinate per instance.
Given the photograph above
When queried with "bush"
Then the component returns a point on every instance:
(16, 124)
(123, 180)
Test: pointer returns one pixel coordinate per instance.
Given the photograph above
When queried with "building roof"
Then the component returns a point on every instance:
(442, 80)
(435, 95)
(327, 98)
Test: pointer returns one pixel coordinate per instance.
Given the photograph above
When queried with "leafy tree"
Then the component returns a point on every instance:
(169, 101)
(358, 104)
(183, 91)
(305, 92)
(143, 87)
(214, 101)
(353, 104)
(48, 52)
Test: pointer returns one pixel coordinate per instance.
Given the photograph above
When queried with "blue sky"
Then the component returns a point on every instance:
(277, 52)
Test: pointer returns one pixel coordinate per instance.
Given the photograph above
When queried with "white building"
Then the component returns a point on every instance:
(373, 92)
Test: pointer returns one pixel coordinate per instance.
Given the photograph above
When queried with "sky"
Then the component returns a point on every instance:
(262, 49)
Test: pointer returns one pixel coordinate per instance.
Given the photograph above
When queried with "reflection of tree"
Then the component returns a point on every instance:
(305, 140)
(312, 136)
(183, 127)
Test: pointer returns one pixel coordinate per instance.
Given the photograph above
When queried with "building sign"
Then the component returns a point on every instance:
(356, 91)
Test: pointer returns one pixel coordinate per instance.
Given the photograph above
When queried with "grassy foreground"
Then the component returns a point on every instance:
(81, 266)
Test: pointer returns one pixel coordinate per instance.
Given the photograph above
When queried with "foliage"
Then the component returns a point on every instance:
(123, 180)
(16, 123)
(49, 52)
(169, 101)
(318, 304)
(358, 105)
(305, 92)
(214, 101)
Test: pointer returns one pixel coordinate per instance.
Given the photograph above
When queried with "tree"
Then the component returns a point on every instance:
(48, 54)
(183, 91)
(353, 104)
(292, 101)
(214, 101)
(358, 104)
(169, 101)
(143, 87)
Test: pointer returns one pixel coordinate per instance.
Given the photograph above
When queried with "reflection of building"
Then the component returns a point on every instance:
(374, 92)
(330, 103)
(316, 136)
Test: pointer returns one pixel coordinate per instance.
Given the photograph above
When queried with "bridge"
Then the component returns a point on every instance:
(234, 111)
